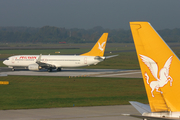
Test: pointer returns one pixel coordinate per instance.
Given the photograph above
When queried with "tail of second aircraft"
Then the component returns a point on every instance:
(160, 68)
(99, 47)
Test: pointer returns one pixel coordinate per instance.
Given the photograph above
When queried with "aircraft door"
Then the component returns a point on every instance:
(85, 60)
(13, 60)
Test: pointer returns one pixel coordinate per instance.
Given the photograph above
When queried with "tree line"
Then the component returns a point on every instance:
(50, 34)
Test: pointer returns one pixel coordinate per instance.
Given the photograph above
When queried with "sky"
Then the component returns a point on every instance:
(86, 14)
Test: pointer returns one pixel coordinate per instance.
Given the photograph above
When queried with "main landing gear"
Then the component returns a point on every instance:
(59, 69)
(13, 69)
(50, 69)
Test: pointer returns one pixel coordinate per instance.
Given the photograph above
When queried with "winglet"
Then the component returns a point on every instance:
(99, 47)
(39, 59)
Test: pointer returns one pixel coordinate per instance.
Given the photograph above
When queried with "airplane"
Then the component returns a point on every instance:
(160, 71)
(50, 62)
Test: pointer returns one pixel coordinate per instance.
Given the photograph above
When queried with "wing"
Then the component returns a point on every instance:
(167, 65)
(151, 64)
(44, 65)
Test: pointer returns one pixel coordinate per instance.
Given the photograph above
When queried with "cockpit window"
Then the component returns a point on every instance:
(7, 59)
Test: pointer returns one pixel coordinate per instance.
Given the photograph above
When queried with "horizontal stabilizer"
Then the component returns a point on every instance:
(110, 56)
(141, 107)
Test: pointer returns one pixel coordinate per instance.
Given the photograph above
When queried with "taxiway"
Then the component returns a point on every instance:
(72, 113)
(75, 73)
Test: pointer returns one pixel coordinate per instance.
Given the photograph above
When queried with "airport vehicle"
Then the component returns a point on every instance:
(49, 62)
(160, 69)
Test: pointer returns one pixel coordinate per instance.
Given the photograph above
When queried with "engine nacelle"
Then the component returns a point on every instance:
(34, 66)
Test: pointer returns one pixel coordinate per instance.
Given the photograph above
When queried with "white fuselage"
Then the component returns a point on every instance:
(172, 115)
(56, 60)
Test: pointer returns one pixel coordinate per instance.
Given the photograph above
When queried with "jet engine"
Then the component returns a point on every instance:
(34, 66)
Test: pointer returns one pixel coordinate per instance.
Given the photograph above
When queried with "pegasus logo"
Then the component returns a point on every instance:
(101, 46)
(164, 77)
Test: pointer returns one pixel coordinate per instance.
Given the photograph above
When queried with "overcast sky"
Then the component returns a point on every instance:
(87, 14)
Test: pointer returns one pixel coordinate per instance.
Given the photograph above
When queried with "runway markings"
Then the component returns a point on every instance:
(79, 76)
(118, 74)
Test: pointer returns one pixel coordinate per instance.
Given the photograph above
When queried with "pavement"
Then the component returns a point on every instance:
(72, 113)
(75, 72)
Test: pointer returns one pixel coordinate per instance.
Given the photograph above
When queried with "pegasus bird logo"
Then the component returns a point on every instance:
(101, 46)
(164, 76)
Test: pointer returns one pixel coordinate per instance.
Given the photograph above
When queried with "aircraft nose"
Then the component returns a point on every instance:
(5, 62)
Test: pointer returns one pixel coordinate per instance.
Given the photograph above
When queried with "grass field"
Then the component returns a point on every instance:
(46, 92)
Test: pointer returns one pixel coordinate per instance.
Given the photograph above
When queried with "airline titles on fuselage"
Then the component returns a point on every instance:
(32, 58)
(27, 57)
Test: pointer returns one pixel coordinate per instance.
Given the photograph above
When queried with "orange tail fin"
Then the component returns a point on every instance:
(99, 47)
(159, 66)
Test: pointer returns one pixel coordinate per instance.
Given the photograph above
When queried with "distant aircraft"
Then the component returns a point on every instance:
(160, 69)
(49, 62)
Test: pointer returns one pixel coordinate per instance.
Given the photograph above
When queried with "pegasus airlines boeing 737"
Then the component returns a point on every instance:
(160, 69)
(49, 62)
